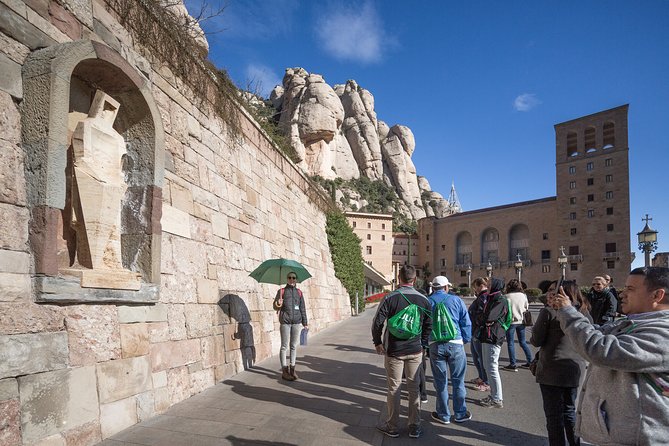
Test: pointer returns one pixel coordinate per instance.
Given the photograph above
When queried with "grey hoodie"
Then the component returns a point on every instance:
(618, 404)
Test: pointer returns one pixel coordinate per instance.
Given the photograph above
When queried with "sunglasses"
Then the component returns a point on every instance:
(292, 277)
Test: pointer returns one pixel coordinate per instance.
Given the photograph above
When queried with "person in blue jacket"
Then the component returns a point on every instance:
(449, 357)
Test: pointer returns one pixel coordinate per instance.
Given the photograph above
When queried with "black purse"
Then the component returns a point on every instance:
(534, 364)
(527, 318)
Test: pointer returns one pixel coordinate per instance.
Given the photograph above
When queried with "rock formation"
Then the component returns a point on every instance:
(336, 134)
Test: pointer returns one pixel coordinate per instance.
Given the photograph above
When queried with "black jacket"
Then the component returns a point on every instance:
(393, 304)
(489, 329)
(603, 306)
(292, 311)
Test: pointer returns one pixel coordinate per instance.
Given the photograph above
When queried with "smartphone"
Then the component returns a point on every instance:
(558, 284)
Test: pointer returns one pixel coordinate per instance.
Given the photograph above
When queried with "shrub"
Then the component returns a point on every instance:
(533, 294)
(346, 256)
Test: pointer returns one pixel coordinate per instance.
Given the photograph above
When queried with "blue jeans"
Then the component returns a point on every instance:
(560, 411)
(448, 358)
(520, 329)
(491, 364)
(477, 358)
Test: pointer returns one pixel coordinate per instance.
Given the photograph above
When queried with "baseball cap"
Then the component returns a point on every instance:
(440, 281)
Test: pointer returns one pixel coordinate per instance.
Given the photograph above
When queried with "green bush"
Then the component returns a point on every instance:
(346, 256)
(533, 294)
(461, 291)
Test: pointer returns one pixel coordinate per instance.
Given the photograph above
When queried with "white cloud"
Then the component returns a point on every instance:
(352, 32)
(526, 102)
(261, 79)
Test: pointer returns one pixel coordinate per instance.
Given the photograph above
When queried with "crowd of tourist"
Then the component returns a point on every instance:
(614, 369)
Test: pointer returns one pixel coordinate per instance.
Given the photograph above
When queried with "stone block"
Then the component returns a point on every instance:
(123, 378)
(14, 262)
(181, 198)
(52, 440)
(65, 21)
(11, 82)
(219, 224)
(145, 406)
(28, 317)
(178, 384)
(167, 355)
(213, 351)
(9, 389)
(194, 128)
(199, 320)
(177, 322)
(14, 236)
(52, 400)
(93, 334)
(134, 340)
(231, 336)
(10, 422)
(202, 380)
(84, 435)
(224, 371)
(10, 118)
(158, 332)
(82, 10)
(45, 26)
(25, 354)
(148, 313)
(21, 30)
(14, 287)
(207, 291)
(159, 379)
(175, 221)
(161, 399)
(116, 416)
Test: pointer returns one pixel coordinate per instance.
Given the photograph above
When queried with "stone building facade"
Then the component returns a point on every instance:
(376, 234)
(589, 216)
(88, 349)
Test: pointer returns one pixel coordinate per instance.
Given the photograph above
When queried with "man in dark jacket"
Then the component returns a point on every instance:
(602, 302)
(402, 356)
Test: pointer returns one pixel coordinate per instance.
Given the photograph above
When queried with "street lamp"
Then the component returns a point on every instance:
(647, 240)
(562, 261)
(488, 269)
(469, 276)
(518, 264)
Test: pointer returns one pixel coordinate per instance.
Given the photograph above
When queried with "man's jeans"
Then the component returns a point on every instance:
(491, 364)
(477, 358)
(289, 332)
(396, 366)
(520, 329)
(560, 410)
(448, 358)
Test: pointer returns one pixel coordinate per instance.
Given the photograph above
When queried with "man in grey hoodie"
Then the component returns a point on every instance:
(625, 395)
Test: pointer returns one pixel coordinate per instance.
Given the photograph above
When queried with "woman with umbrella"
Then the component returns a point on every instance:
(289, 302)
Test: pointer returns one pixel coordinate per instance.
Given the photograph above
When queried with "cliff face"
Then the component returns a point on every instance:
(336, 134)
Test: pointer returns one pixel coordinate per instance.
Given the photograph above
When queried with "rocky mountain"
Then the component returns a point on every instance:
(336, 134)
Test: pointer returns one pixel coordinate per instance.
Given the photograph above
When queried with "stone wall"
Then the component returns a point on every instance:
(74, 370)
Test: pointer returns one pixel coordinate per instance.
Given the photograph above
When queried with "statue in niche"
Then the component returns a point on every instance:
(98, 189)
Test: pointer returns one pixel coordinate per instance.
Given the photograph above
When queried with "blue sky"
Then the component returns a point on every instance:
(480, 83)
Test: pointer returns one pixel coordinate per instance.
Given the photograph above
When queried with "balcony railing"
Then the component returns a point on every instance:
(575, 258)
(612, 255)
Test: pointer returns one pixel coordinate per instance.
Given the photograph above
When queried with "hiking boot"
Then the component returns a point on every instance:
(462, 419)
(438, 419)
(384, 428)
(490, 402)
(285, 374)
(415, 431)
(292, 372)
(511, 368)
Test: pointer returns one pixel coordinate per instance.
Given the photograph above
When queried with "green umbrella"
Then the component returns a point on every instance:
(275, 271)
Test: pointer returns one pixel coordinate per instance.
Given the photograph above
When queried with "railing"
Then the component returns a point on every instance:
(612, 255)
(575, 258)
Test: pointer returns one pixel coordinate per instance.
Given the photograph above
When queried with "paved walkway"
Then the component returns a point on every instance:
(338, 400)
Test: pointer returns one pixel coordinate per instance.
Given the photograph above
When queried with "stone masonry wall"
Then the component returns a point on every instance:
(73, 374)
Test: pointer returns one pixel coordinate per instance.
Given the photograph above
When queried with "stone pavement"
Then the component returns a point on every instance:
(339, 400)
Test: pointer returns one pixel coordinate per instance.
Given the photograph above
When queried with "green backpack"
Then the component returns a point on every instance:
(506, 323)
(406, 324)
(443, 328)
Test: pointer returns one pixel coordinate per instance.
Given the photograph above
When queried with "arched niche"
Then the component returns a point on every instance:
(59, 84)
(490, 245)
(463, 248)
(519, 242)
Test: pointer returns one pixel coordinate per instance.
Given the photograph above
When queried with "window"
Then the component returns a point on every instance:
(427, 236)
(572, 216)
(611, 264)
(591, 181)
(369, 250)
(573, 250)
(573, 266)
(572, 139)
(545, 236)
(572, 200)
(427, 248)
(443, 247)
(609, 194)
(572, 185)
(546, 254)
(609, 211)
(589, 166)
(369, 236)
(591, 197)
(609, 131)
(404, 252)
(383, 226)
(369, 226)
(589, 139)
(354, 224)
(610, 247)
(572, 231)
(609, 178)
(609, 227)
(591, 213)
(545, 268)
(572, 170)
(443, 262)
(383, 237)
(462, 273)
(608, 162)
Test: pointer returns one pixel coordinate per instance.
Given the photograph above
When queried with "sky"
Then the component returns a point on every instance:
(480, 84)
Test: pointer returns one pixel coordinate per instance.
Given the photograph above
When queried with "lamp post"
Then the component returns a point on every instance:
(562, 262)
(469, 276)
(488, 269)
(518, 264)
(647, 240)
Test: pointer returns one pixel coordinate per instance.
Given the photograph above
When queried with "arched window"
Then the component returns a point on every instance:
(609, 135)
(490, 245)
(590, 140)
(519, 242)
(572, 144)
(463, 248)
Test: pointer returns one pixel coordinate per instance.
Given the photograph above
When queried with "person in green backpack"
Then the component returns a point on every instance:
(451, 330)
(406, 314)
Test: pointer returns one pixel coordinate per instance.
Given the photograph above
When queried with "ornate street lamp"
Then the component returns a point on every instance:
(518, 264)
(562, 262)
(469, 276)
(488, 269)
(647, 240)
